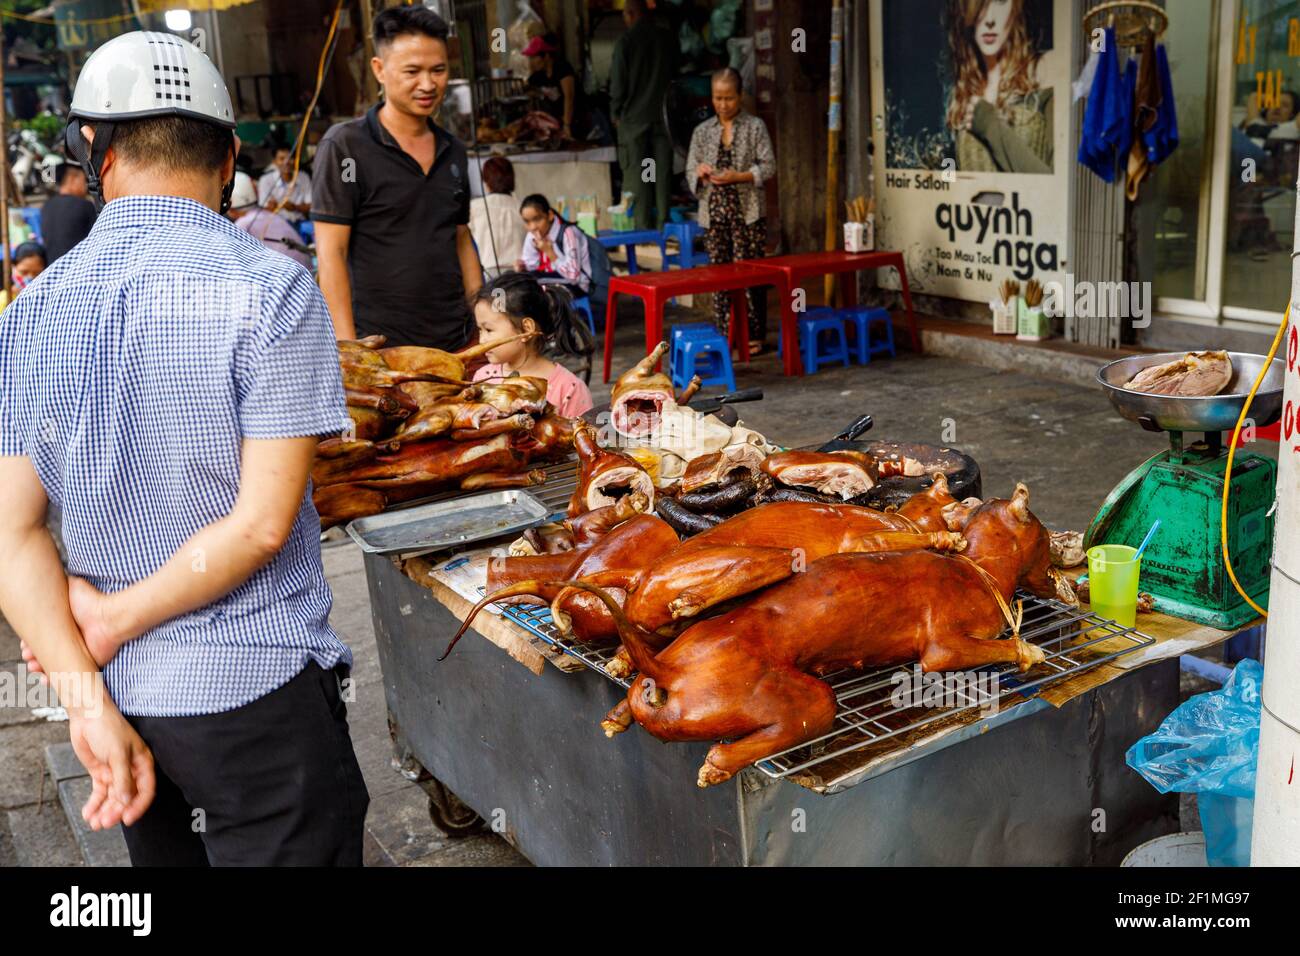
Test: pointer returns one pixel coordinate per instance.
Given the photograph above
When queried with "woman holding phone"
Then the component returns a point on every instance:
(729, 161)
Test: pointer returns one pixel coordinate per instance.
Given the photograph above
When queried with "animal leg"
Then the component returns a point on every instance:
(618, 719)
(798, 708)
(620, 665)
(706, 577)
(911, 541)
(955, 653)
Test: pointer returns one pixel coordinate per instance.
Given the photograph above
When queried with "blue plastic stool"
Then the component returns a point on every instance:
(820, 312)
(863, 320)
(679, 334)
(583, 305)
(689, 330)
(814, 328)
(708, 356)
(685, 257)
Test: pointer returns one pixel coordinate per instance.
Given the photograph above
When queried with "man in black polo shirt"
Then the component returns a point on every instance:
(390, 199)
(66, 218)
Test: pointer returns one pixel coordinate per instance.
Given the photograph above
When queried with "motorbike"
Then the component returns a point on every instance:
(34, 166)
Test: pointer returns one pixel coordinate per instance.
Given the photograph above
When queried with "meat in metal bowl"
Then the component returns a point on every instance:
(1208, 413)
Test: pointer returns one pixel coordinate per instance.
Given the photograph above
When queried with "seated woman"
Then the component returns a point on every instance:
(494, 220)
(514, 303)
(554, 250)
(554, 81)
(29, 261)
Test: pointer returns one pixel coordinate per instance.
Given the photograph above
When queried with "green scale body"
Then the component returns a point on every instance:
(1182, 567)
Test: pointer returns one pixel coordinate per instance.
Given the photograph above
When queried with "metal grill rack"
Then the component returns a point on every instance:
(867, 713)
(536, 619)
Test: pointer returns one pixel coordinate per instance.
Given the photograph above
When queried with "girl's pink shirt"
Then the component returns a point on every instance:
(568, 393)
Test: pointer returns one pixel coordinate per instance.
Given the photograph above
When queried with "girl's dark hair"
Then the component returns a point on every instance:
(730, 75)
(499, 175)
(536, 201)
(30, 249)
(519, 296)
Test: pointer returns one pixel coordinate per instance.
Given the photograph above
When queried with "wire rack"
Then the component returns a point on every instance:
(869, 710)
(537, 620)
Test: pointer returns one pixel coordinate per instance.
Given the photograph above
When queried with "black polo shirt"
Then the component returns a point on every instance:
(406, 280)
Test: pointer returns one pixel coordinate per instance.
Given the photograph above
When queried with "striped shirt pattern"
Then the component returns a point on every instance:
(130, 372)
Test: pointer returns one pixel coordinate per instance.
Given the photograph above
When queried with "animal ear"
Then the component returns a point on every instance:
(1020, 503)
(955, 515)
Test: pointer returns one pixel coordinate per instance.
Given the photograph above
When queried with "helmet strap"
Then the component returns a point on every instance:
(228, 190)
(90, 155)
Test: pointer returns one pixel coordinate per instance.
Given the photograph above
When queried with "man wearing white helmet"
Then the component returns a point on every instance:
(165, 384)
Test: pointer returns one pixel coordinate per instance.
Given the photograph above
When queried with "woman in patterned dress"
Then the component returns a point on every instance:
(729, 160)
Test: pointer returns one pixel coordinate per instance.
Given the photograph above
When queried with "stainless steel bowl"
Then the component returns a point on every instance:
(1208, 414)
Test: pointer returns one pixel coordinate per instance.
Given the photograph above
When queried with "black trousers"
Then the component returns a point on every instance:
(272, 783)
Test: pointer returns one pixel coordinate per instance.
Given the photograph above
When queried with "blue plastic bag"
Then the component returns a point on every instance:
(1209, 745)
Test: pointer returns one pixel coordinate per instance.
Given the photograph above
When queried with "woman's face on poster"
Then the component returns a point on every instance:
(993, 26)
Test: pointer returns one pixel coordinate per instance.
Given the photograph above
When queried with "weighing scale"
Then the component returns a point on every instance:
(1182, 567)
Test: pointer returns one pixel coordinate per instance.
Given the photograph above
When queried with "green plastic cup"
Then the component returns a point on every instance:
(1113, 582)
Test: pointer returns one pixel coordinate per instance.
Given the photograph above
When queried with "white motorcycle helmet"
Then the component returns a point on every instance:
(137, 75)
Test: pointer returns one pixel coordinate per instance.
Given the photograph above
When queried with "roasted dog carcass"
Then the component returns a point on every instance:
(605, 475)
(666, 587)
(418, 429)
(750, 675)
(652, 422)
(534, 578)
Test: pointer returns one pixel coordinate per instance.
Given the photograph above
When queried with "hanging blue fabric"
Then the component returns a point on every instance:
(1162, 138)
(1128, 91)
(1107, 119)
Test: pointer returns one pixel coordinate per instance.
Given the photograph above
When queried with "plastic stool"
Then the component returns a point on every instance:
(709, 357)
(685, 257)
(689, 330)
(679, 334)
(863, 320)
(820, 312)
(583, 305)
(813, 328)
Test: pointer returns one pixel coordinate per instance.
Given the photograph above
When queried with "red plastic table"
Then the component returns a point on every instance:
(788, 273)
(656, 288)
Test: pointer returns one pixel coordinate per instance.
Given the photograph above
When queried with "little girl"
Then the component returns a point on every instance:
(514, 303)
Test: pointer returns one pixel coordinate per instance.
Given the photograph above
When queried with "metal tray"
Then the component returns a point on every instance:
(444, 524)
(1207, 413)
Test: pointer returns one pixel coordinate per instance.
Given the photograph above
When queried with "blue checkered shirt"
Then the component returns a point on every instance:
(130, 371)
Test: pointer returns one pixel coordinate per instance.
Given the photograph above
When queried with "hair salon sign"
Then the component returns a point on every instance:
(971, 158)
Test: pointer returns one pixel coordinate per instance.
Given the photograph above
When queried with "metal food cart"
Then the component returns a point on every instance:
(509, 724)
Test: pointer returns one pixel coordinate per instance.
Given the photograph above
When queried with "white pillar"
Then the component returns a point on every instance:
(1275, 839)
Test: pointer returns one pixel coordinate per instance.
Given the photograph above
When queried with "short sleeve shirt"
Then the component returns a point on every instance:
(131, 370)
(550, 90)
(402, 257)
